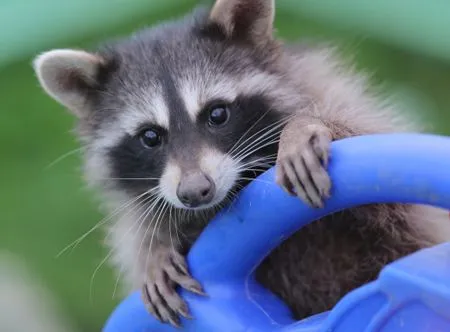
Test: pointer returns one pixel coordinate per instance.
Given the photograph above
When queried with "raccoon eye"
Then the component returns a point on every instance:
(218, 115)
(150, 138)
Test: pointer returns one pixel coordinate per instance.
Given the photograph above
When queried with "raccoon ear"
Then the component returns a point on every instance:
(245, 18)
(68, 76)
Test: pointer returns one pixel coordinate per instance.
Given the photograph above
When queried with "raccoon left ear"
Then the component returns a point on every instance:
(251, 19)
(68, 75)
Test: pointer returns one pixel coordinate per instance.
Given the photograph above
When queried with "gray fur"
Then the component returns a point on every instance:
(166, 76)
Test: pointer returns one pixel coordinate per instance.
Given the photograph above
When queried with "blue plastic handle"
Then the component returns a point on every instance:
(404, 168)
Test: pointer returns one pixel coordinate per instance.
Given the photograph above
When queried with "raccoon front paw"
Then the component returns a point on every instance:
(301, 166)
(167, 270)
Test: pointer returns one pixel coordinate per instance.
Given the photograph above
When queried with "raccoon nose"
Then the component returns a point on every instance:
(196, 189)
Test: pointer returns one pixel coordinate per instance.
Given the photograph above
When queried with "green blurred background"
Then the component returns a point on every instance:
(45, 205)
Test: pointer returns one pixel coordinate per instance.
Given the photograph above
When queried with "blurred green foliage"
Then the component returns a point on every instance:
(46, 208)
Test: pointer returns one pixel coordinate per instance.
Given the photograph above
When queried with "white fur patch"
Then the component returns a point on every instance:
(152, 110)
(169, 183)
(198, 90)
(222, 169)
(190, 95)
(196, 94)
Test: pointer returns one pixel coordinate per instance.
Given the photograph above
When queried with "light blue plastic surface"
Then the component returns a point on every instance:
(411, 294)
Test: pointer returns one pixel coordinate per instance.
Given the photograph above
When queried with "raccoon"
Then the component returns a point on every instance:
(177, 118)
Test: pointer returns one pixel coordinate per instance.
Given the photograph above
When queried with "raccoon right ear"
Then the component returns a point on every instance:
(68, 76)
(251, 19)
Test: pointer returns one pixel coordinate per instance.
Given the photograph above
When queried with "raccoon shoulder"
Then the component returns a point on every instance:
(340, 94)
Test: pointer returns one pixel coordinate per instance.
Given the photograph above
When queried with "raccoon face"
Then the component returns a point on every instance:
(187, 110)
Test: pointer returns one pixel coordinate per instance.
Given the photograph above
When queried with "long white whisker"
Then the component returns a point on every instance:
(176, 218)
(147, 201)
(258, 148)
(270, 128)
(281, 121)
(236, 145)
(150, 222)
(253, 179)
(64, 156)
(106, 258)
(258, 162)
(101, 223)
(130, 179)
(95, 273)
(155, 230)
(269, 134)
(170, 226)
(139, 222)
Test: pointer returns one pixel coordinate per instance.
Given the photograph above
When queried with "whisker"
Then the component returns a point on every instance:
(254, 179)
(139, 222)
(155, 230)
(236, 145)
(269, 134)
(269, 129)
(172, 220)
(281, 121)
(100, 223)
(176, 225)
(150, 209)
(107, 257)
(258, 148)
(261, 170)
(258, 162)
(130, 179)
(147, 201)
(64, 156)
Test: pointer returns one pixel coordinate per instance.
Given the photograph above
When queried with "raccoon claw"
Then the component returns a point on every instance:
(302, 171)
(168, 270)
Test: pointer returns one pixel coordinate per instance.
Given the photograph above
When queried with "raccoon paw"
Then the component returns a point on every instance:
(301, 167)
(167, 270)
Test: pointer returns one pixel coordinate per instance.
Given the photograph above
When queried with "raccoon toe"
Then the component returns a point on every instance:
(157, 303)
(168, 269)
(301, 171)
(163, 302)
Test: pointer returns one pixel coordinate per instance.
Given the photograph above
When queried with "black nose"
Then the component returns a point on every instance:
(196, 189)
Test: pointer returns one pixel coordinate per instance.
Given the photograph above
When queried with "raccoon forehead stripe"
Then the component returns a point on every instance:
(196, 93)
(151, 110)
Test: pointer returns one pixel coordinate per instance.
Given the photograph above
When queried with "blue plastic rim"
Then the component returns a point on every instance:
(403, 168)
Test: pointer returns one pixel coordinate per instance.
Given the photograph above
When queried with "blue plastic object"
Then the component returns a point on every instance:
(411, 294)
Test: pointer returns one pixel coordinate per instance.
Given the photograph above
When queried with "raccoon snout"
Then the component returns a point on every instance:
(196, 189)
